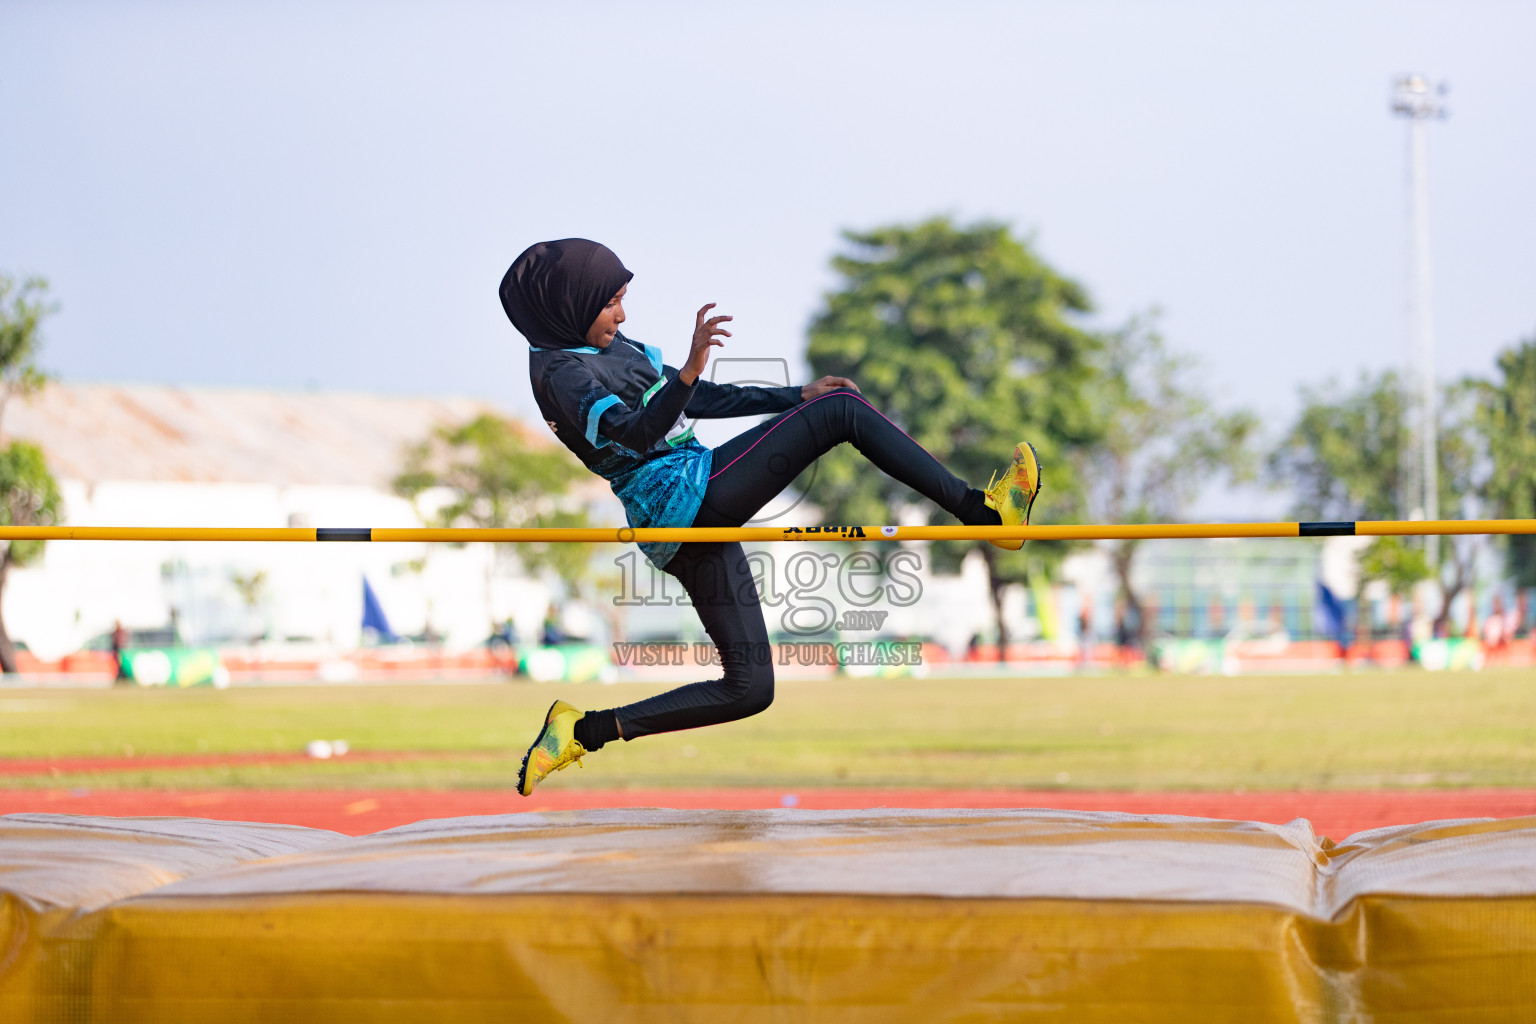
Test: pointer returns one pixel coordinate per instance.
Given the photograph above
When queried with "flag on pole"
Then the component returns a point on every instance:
(373, 614)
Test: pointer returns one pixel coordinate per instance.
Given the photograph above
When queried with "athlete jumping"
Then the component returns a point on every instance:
(613, 402)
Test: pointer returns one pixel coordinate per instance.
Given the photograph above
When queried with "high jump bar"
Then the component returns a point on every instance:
(627, 535)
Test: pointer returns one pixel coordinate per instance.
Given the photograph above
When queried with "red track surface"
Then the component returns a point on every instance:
(1334, 814)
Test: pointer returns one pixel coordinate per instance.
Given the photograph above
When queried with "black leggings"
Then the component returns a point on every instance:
(748, 472)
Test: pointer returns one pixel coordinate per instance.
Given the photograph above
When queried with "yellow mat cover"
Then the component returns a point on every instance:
(890, 915)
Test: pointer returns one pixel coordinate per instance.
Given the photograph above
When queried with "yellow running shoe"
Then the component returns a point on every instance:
(1014, 495)
(555, 748)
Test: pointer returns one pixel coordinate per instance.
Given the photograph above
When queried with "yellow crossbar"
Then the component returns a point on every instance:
(626, 535)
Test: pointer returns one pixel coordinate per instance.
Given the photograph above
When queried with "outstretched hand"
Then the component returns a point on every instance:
(821, 387)
(704, 338)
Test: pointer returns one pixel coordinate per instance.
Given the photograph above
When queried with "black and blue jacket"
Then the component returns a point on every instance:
(625, 414)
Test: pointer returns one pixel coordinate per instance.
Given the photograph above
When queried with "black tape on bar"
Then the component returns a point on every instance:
(1326, 529)
(364, 533)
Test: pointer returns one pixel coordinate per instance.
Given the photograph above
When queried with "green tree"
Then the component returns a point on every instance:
(1343, 456)
(29, 496)
(1506, 419)
(1396, 563)
(968, 339)
(1163, 441)
(28, 492)
(497, 479)
(23, 308)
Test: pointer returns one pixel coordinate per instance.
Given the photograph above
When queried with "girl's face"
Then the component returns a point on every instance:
(606, 327)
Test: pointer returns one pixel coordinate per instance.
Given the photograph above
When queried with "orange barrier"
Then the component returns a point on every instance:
(766, 915)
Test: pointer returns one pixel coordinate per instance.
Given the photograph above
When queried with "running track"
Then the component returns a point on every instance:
(356, 812)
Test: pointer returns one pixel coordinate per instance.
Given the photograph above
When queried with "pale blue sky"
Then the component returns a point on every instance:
(326, 195)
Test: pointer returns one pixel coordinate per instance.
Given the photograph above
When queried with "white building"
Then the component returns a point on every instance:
(148, 455)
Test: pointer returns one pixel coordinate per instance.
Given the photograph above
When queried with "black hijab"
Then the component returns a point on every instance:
(554, 290)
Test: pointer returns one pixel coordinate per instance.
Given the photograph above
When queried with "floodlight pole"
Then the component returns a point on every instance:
(1414, 98)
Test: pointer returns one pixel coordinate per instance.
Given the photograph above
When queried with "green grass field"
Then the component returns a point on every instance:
(1370, 730)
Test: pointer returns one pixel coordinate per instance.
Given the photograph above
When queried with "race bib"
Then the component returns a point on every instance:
(681, 432)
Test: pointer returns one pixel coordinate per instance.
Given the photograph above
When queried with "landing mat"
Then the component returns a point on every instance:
(631, 915)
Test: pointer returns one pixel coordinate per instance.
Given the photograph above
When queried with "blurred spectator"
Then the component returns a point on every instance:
(1126, 635)
(1085, 633)
(552, 634)
(973, 648)
(1418, 629)
(507, 634)
(119, 641)
(1394, 614)
(1496, 629)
